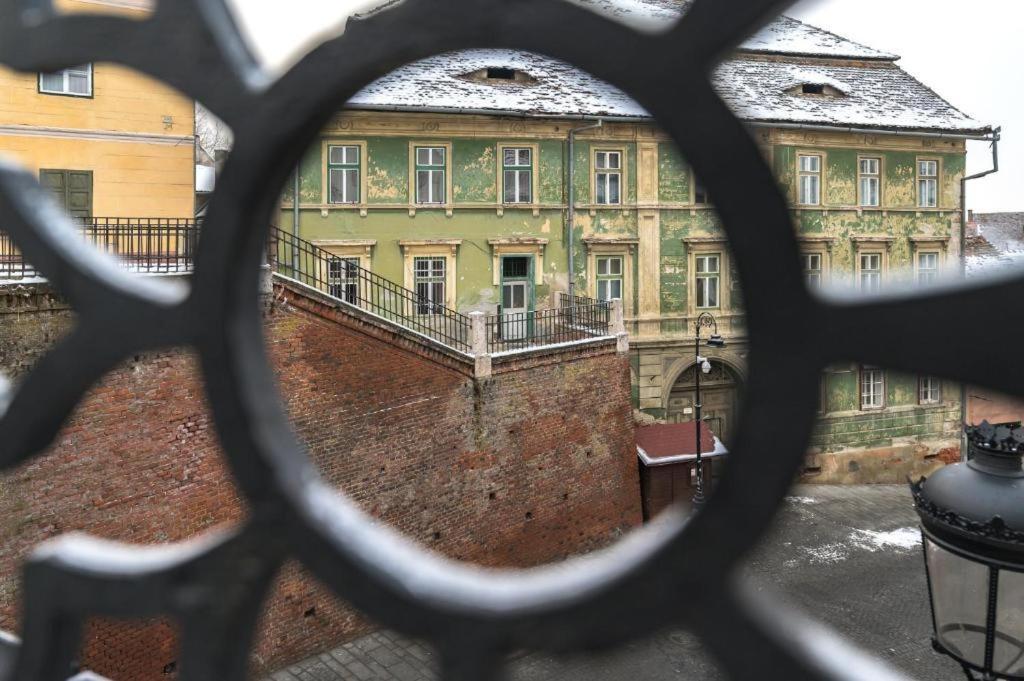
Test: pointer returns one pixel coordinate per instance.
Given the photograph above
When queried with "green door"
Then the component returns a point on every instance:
(72, 189)
(517, 296)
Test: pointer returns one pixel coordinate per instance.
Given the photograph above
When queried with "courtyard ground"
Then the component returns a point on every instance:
(848, 556)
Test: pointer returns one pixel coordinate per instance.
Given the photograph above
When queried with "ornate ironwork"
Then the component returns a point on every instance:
(994, 528)
(675, 572)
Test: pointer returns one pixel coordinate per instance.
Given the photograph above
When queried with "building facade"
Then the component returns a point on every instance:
(453, 177)
(107, 141)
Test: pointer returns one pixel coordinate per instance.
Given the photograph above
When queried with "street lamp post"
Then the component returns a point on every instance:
(703, 365)
(972, 520)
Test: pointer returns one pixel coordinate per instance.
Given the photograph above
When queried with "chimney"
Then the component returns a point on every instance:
(220, 157)
(972, 225)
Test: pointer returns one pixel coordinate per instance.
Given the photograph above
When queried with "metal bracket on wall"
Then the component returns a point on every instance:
(675, 572)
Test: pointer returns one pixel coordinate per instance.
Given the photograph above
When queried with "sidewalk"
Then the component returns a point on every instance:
(848, 556)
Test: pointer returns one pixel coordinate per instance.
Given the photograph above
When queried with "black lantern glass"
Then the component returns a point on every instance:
(972, 519)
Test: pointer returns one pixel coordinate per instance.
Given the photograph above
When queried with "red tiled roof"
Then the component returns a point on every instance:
(674, 439)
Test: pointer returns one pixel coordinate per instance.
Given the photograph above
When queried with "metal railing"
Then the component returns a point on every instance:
(563, 324)
(150, 245)
(339, 277)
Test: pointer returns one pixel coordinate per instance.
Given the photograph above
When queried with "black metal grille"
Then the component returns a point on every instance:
(680, 571)
(342, 278)
(149, 245)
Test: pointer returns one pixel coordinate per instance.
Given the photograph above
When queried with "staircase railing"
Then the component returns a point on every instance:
(341, 278)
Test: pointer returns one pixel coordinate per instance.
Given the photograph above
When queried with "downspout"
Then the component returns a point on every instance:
(295, 224)
(963, 263)
(571, 219)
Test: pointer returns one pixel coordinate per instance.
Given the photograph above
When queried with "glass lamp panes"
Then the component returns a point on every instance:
(959, 589)
(1008, 652)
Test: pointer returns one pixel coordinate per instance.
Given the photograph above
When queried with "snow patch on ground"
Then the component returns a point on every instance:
(801, 500)
(897, 541)
(828, 554)
(905, 538)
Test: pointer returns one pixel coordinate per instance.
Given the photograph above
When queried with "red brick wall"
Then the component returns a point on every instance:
(529, 466)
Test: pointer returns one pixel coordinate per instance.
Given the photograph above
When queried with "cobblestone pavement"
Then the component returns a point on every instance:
(848, 556)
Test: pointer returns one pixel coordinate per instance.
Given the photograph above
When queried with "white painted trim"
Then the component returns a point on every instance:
(719, 451)
(96, 135)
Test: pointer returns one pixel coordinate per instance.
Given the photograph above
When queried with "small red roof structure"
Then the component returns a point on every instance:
(663, 444)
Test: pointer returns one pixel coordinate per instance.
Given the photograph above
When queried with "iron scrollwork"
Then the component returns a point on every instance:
(677, 571)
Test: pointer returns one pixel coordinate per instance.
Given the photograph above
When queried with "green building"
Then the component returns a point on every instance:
(451, 176)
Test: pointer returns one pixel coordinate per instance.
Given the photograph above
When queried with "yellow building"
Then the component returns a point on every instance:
(106, 140)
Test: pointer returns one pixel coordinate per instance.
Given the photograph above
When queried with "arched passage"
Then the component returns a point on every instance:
(721, 391)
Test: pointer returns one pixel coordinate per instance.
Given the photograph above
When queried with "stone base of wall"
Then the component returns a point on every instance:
(882, 466)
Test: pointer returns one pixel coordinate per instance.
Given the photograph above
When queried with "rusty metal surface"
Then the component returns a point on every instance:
(673, 572)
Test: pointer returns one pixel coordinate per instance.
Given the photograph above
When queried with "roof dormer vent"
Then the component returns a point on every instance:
(500, 73)
(500, 76)
(816, 86)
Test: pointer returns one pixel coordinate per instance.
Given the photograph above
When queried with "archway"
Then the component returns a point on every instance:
(721, 392)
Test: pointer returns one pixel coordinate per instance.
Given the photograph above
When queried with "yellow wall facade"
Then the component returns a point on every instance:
(135, 134)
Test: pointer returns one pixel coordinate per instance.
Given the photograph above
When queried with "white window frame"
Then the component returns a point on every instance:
(809, 177)
(518, 170)
(862, 273)
(707, 276)
(608, 277)
(604, 172)
(346, 167)
(431, 169)
(929, 390)
(343, 283)
(927, 276)
(869, 181)
(872, 388)
(66, 73)
(928, 183)
(431, 281)
(809, 272)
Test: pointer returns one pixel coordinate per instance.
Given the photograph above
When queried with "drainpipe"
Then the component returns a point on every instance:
(996, 136)
(572, 204)
(295, 225)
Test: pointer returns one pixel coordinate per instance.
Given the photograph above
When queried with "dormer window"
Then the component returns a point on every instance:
(817, 88)
(500, 73)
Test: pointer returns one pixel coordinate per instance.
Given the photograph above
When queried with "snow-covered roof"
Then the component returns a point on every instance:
(880, 95)
(874, 94)
(998, 247)
(784, 35)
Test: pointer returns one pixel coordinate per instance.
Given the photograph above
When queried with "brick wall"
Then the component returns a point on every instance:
(531, 465)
